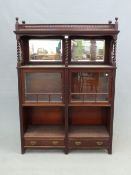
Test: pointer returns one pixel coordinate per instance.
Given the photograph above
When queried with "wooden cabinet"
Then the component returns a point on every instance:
(66, 78)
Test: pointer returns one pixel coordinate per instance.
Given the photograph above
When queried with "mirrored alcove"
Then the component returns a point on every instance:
(87, 50)
(45, 50)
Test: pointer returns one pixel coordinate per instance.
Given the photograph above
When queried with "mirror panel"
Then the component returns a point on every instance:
(87, 50)
(45, 50)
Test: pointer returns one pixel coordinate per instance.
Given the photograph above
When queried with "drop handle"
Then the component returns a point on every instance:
(55, 142)
(78, 143)
(99, 143)
(33, 143)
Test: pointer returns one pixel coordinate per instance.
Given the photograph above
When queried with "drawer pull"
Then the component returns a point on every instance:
(55, 142)
(77, 143)
(33, 142)
(99, 143)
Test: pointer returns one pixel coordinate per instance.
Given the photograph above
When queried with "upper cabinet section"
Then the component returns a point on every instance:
(66, 44)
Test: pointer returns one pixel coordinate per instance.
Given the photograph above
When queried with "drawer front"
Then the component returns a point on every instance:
(88, 143)
(43, 143)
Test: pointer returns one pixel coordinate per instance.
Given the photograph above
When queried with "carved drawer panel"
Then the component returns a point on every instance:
(88, 143)
(44, 143)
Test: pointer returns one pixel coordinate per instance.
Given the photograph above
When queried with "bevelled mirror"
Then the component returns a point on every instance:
(45, 50)
(90, 50)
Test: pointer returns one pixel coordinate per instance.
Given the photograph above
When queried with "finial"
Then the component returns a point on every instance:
(17, 19)
(116, 18)
(17, 23)
(109, 22)
(23, 22)
(116, 23)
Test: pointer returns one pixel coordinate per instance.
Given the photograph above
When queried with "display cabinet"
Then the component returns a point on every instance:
(66, 83)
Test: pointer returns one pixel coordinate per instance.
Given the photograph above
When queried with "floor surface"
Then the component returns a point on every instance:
(55, 162)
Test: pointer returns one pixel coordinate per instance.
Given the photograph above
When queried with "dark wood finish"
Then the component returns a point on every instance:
(46, 115)
(44, 136)
(42, 131)
(89, 132)
(67, 104)
(88, 115)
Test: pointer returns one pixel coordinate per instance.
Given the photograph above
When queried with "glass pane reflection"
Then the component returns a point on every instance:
(87, 87)
(43, 87)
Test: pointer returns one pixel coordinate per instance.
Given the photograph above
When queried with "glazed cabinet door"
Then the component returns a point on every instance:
(43, 86)
(90, 86)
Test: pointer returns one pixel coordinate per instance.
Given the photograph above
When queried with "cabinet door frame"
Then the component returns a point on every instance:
(41, 70)
(92, 70)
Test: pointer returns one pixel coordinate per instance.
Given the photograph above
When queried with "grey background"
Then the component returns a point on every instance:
(55, 162)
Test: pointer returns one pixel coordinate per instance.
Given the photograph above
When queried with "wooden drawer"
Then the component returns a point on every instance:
(44, 143)
(88, 143)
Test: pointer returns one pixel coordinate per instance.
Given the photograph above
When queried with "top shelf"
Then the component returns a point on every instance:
(38, 29)
(69, 66)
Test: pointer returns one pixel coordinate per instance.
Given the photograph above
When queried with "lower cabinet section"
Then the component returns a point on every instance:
(78, 137)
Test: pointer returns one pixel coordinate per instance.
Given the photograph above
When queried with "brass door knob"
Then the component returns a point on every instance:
(99, 143)
(77, 143)
(55, 142)
(33, 142)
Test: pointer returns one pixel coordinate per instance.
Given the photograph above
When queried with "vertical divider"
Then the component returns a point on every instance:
(66, 80)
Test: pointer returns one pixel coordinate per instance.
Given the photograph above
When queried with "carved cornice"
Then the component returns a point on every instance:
(66, 28)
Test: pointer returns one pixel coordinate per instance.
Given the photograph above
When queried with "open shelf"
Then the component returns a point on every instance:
(89, 115)
(44, 131)
(98, 131)
(44, 136)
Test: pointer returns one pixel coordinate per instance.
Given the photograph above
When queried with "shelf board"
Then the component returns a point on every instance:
(90, 66)
(43, 104)
(98, 131)
(42, 131)
(82, 65)
(89, 104)
(42, 66)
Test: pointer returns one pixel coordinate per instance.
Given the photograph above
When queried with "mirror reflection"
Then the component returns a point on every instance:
(87, 50)
(45, 50)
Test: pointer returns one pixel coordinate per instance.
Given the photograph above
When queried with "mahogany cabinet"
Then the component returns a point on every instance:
(66, 82)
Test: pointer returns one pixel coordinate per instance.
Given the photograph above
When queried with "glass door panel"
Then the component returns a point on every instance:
(89, 87)
(43, 87)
